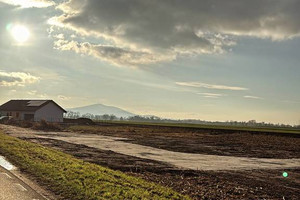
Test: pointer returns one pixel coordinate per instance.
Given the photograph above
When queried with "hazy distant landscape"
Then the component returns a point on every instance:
(100, 109)
(103, 112)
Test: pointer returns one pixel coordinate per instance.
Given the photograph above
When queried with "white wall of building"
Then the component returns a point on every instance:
(50, 112)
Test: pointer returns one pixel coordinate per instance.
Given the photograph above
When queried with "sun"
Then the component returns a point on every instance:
(20, 33)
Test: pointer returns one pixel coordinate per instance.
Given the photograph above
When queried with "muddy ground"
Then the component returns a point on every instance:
(203, 141)
(251, 184)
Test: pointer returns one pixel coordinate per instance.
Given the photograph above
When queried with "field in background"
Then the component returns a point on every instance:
(202, 140)
(209, 127)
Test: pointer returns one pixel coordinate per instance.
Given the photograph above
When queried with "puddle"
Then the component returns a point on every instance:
(5, 164)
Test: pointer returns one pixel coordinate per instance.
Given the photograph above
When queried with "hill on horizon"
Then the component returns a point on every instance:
(100, 109)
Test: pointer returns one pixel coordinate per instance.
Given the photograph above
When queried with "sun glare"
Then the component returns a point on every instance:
(20, 33)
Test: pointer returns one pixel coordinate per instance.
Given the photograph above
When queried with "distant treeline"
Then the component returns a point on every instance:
(138, 118)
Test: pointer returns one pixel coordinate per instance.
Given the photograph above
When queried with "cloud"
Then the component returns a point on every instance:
(209, 86)
(35, 93)
(290, 101)
(211, 95)
(30, 3)
(17, 79)
(173, 27)
(32, 92)
(62, 97)
(59, 36)
(252, 97)
(112, 54)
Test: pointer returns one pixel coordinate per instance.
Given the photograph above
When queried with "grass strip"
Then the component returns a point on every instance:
(207, 126)
(71, 178)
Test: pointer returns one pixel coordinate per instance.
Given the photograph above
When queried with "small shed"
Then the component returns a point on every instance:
(33, 110)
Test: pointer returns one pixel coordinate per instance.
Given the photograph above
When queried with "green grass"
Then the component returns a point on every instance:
(204, 126)
(75, 179)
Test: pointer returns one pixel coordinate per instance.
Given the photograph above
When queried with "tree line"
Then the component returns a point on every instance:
(139, 118)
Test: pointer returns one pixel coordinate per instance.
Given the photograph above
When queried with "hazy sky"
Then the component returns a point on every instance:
(199, 59)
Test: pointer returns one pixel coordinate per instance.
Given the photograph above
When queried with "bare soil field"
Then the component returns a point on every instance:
(239, 184)
(233, 143)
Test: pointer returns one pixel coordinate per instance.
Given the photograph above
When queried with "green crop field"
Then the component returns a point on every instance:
(211, 127)
(71, 178)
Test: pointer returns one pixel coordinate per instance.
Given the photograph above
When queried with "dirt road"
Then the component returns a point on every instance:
(181, 160)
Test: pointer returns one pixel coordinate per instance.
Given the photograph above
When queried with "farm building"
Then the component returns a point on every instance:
(33, 110)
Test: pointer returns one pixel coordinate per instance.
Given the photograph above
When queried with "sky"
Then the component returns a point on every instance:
(195, 59)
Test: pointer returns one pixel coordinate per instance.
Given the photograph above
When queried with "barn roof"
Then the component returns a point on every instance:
(26, 105)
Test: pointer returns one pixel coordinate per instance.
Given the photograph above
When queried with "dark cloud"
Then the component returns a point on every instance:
(115, 55)
(16, 78)
(10, 79)
(176, 26)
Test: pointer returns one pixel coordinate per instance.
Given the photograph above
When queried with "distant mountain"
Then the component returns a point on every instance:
(100, 109)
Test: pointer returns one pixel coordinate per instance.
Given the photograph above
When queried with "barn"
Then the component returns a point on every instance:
(33, 110)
